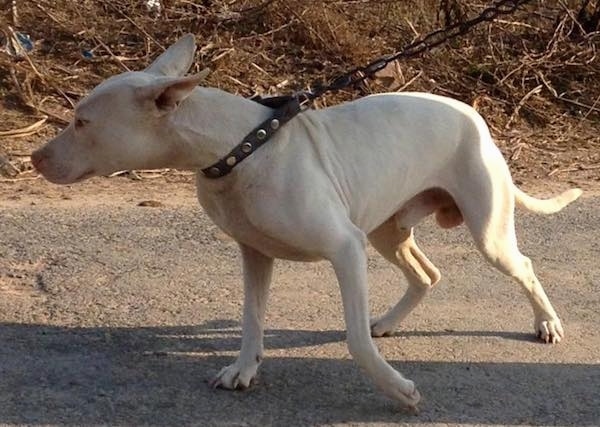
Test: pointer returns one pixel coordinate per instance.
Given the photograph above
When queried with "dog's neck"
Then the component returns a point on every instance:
(208, 124)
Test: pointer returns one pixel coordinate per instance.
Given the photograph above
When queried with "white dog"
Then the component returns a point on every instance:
(326, 183)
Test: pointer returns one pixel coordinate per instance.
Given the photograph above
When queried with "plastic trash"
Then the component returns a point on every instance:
(17, 44)
(24, 41)
(153, 5)
(87, 53)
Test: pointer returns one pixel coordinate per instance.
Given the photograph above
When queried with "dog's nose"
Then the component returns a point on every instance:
(37, 159)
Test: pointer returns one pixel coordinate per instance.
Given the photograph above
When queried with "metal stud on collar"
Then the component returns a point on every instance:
(284, 109)
(231, 160)
(246, 147)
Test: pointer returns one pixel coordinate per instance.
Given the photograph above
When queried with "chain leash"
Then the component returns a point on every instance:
(286, 108)
(431, 40)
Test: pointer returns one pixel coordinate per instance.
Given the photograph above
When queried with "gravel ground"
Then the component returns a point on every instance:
(111, 313)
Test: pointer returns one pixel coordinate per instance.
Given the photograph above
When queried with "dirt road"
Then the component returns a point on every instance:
(111, 313)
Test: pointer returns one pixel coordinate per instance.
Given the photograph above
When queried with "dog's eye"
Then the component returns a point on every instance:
(79, 123)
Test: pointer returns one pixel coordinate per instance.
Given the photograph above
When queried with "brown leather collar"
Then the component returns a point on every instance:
(285, 108)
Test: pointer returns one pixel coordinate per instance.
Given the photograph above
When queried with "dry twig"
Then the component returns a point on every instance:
(25, 131)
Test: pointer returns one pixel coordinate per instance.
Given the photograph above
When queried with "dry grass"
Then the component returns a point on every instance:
(534, 75)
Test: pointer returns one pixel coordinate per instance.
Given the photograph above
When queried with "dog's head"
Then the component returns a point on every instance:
(120, 125)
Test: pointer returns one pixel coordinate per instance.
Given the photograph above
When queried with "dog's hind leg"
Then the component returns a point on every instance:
(398, 246)
(487, 204)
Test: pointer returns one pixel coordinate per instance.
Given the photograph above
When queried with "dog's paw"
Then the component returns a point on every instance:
(234, 377)
(549, 330)
(381, 327)
(402, 390)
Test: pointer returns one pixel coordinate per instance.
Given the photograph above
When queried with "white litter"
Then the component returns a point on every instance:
(153, 5)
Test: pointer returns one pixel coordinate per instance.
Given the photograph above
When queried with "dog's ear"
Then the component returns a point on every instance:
(167, 93)
(176, 60)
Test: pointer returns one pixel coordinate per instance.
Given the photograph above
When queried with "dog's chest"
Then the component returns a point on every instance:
(230, 213)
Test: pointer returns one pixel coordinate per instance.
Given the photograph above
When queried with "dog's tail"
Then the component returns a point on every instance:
(546, 206)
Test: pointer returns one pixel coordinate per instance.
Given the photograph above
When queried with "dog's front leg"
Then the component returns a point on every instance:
(350, 264)
(257, 277)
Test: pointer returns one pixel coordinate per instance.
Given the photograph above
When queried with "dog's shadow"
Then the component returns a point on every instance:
(158, 376)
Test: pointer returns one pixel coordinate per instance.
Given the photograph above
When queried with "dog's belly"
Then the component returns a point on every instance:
(244, 232)
(229, 216)
(275, 248)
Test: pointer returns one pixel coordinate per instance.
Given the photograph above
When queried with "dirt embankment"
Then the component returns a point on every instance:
(532, 74)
